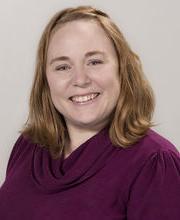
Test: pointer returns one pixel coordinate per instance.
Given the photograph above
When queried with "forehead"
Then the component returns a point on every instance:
(86, 34)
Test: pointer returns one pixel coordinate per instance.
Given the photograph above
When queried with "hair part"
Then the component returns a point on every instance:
(132, 116)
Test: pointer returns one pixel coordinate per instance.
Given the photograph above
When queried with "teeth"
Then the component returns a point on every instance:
(84, 98)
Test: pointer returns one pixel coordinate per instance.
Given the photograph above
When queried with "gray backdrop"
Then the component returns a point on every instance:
(151, 27)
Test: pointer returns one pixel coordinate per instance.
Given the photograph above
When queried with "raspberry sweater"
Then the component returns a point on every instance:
(97, 181)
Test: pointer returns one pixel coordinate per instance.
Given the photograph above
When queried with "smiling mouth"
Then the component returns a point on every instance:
(84, 99)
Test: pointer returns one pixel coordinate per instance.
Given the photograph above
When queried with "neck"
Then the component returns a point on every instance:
(78, 136)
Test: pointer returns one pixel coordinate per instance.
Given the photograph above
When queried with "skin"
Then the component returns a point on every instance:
(82, 72)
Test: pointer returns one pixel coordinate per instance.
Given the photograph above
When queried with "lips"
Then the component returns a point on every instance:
(83, 95)
(85, 99)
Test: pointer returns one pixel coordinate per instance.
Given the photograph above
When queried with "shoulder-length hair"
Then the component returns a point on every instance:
(132, 115)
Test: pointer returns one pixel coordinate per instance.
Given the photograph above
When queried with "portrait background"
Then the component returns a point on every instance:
(152, 29)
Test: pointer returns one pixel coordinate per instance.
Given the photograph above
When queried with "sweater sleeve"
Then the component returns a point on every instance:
(155, 194)
(15, 152)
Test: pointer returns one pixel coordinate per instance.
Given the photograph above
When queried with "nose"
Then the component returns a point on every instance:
(81, 78)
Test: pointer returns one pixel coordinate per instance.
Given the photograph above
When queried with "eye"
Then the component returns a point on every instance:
(95, 62)
(62, 68)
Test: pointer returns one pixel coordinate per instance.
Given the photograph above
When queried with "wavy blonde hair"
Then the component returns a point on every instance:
(133, 113)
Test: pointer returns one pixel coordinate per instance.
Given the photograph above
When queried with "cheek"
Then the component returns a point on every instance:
(51, 81)
(112, 88)
(55, 85)
(108, 81)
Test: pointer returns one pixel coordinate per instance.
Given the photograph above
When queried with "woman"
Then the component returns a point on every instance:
(87, 150)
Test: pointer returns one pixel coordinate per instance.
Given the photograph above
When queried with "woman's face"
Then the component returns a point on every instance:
(82, 73)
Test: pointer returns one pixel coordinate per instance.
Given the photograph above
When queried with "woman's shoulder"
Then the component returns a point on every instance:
(152, 148)
(22, 142)
(156, 181)
(153, 143)
(21, 145)
(158, 142)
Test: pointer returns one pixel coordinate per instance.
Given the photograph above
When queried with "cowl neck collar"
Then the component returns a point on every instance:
(55, 175)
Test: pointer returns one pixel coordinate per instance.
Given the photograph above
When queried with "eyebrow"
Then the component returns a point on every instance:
(88, 54)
